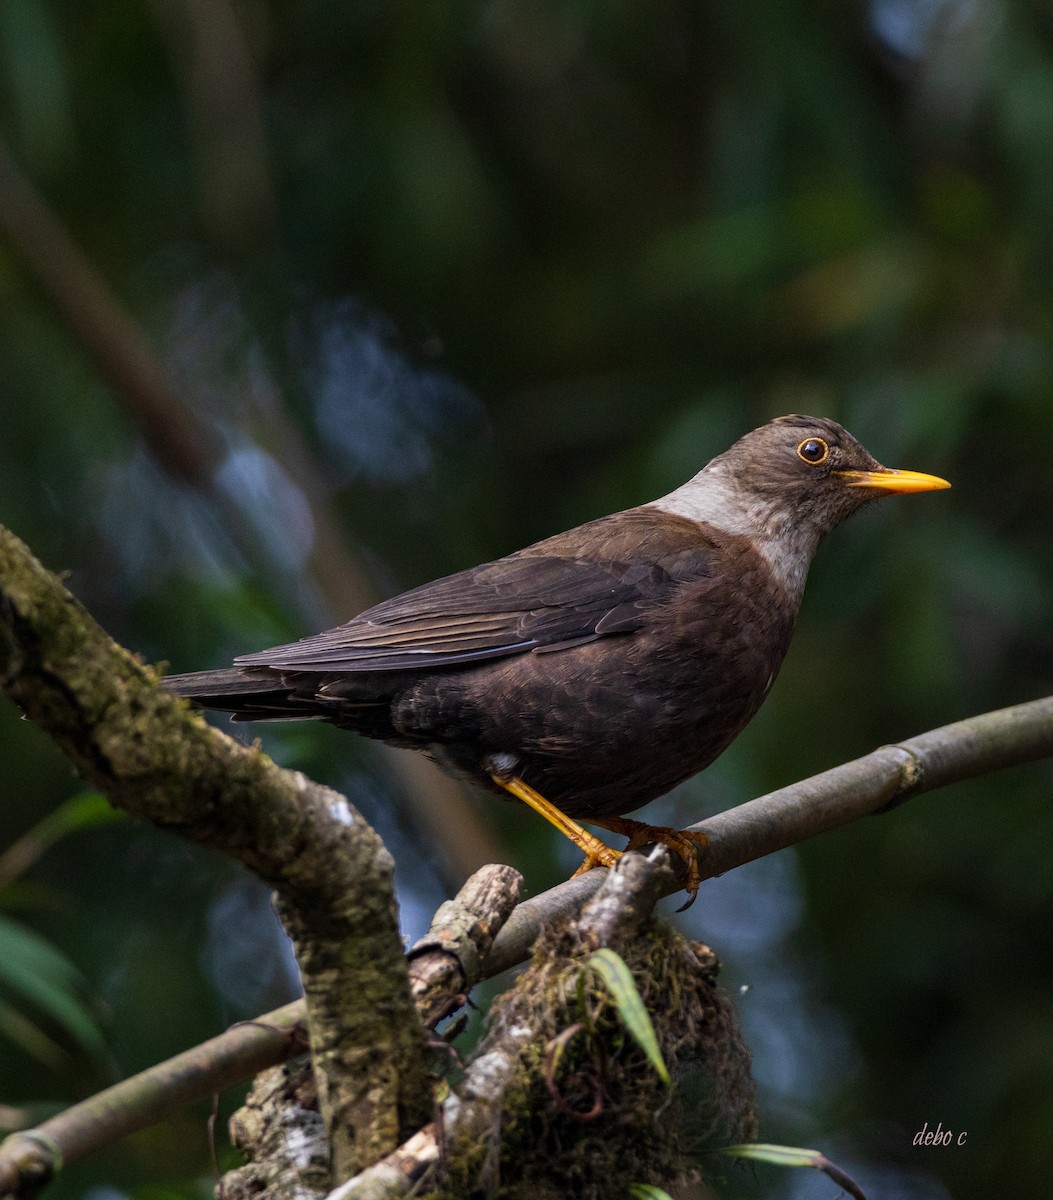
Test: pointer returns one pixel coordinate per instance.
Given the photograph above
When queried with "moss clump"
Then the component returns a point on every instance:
(579, 1110)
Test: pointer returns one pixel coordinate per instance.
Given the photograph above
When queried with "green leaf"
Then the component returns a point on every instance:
(647, 1191)
(794, 1156)
(619, 982)
(35, 970)
(86, 810)
(781, 1156)
(18, 1028)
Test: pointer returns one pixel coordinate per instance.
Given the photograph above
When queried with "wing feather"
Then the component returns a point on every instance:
(543, 598)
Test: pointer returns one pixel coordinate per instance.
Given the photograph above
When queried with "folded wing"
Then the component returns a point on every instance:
(519, 604)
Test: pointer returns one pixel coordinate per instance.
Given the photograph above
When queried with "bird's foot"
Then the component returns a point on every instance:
(684, 843)
(601, 855)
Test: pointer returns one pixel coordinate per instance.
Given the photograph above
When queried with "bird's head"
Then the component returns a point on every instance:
(810, 471)
(787, 484)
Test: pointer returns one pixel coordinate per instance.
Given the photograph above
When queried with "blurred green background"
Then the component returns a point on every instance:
(367, 293)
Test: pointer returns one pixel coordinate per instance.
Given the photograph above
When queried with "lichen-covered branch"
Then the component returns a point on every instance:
(444, 964)
(159, 761)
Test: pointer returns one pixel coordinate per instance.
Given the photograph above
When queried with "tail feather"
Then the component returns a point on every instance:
(262, 694)
(251, 695)
(229, 681)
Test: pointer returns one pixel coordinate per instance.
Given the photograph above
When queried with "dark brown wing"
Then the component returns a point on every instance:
(535, 600)
(492, 611)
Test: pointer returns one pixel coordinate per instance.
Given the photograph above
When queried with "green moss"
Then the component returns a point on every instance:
(586, 1114)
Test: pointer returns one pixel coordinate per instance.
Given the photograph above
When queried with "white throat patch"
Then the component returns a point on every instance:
(788, 546)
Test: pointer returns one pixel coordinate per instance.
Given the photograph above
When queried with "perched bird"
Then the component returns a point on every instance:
(595, 670)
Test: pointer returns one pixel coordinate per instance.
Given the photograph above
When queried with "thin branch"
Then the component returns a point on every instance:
(32, 1157)
(881, 780)
(878, 781)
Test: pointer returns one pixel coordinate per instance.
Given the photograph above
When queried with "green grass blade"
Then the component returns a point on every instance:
(86, 810)
(20, 1030)
(36, 971)
(795, 1156)
(780, 1156)
(619, 982)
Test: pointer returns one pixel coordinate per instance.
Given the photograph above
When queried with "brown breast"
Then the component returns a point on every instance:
(604, 727)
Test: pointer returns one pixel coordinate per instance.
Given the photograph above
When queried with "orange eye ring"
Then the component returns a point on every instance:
(813, 451)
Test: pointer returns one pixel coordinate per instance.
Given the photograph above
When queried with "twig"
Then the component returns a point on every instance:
(872, 784)
(34, 1156)
(449, 960)
(883, 779)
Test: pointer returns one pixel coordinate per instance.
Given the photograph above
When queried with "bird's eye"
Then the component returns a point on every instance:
(813, 451)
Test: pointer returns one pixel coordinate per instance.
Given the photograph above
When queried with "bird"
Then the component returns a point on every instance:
(591, 672)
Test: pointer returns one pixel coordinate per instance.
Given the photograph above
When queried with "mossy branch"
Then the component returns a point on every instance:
(160, 762)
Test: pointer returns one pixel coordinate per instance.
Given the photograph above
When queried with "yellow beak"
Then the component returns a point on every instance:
(893, 482)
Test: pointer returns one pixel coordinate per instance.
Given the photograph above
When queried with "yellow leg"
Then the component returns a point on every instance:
(595, 851)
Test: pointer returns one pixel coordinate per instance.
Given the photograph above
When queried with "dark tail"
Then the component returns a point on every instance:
(250, 694)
